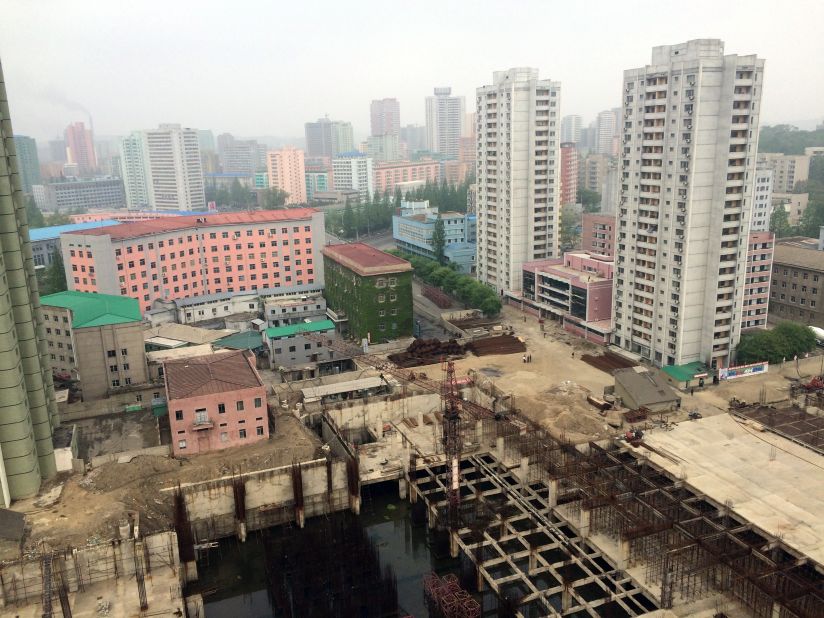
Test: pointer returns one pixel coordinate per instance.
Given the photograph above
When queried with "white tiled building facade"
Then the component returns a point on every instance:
(762, 200)
(690, 133)
(518, 182)
(174, 173)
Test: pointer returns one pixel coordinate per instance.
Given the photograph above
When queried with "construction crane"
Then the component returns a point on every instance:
(452, 443)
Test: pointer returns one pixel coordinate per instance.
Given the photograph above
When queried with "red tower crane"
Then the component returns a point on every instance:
(451, 405)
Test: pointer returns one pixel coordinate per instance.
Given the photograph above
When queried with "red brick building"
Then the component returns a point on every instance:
(598, 234)
(569, 173)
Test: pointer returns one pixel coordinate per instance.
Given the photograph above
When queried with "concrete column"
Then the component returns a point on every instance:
(431, 517)
(454, 546)
(776, 610)
(533, 561)
(524, 471)
(552, 498)
(479, 431)
(583, 528)
(354, 504)
(127, 558)
(566, 599)
(413, 493)
(499, 449)
(241, 531)
(403, 487)
(189, 571)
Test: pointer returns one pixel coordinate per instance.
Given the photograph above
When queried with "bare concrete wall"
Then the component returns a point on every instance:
(372, 413)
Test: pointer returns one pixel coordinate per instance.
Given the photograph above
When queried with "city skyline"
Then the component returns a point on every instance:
(82, 82)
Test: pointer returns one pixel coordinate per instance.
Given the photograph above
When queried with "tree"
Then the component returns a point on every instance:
(349, 223)
(274, 198)
(439, 240)
(788, 139)
(780, 222)
(238, 195)
(590, 200)
(54, 278)
(57, 218)
(34, 214)
(784, 342)
(569, 227)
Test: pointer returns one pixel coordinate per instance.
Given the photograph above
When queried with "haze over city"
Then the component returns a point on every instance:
(261, 68)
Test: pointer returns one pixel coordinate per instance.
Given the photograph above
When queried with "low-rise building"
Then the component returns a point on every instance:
(394, 173)
(287, 310)
(371, 289)
(215, 402)
(170, 336)
(794, 203)
(788, 170)
(598, 233)
(760, 249)
(298, 356)
(575, 290)
(80, 194)
(413, 233)
(639, 387)
(797, 288)
(96, 339)
(45, 241)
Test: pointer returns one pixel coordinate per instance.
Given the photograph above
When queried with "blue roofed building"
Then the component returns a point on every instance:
(414, 227)
(46, 240)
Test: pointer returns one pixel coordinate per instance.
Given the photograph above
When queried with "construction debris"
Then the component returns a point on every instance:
(502, 344)
(427, 352)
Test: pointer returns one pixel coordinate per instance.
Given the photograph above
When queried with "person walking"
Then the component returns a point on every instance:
(524, 358)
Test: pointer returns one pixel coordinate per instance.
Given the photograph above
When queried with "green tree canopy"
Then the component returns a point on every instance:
(54, 277)
(34, 214)
(788, 139)
(784, 342)
(439, 240)
(591, 200)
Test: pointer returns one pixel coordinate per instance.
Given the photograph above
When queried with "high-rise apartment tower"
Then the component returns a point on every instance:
(518, 167)
(444, 122)
(688, 153)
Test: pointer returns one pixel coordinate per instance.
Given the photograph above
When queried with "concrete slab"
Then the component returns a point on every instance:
(770, 481)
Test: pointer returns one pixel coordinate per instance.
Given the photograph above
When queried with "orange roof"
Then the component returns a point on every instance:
(208, 375)
(366, 260)
(169, 224)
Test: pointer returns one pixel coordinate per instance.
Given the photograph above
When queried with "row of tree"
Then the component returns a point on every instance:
(788, 139)
(471, 292)
(238, 197)
(784, 342)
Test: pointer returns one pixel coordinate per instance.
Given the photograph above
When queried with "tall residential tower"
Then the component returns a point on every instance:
(29, 411)
(174, 174)
(690, 138)
(444, 122)
(518, 166)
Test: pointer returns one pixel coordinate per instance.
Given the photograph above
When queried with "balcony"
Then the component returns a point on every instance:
(202, 423)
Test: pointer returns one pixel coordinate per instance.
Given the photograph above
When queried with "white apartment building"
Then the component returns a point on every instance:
(606, 124)
(571, 129)
(788, 170)
(688, 155)
(444, 122)
(174, 175)
(354, 171)
(287, 171)
(133, 168)
(518, 175)
(762, 200)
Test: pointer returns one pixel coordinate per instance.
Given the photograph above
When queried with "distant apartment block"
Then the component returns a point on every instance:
(760, 250)
(328, 138)
(592, 171)
(384, 147)
(571, 129)
(317, 181)
(174, 176)
(518, 175)
(96, 339)
(388, 175)
(181, 257)
(368, 292)
(598, 234)
(444, 122)
(385, 116)
(353, 170)
(240, 156)
(133, 169)
(80, 148)
(414, 136)
(28, 162)
(215, 402)
(287, 172)
(413, 233)
(569, 173)
(793, 203)
(762, 205)
(93, 194)
(797, 287)
(575, 290)
(788, 170)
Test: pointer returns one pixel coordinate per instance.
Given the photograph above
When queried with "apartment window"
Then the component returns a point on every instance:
(221, 408)
(111, 353)
(124, 352)
(115, 383)
(393, 297)
(381, 298)
(242, 433)
(258, 402)
(181, 444)
(200, 415)
(239, 406)
(259, 431)
(380, 283)
(178, 415)
(125, 366)
(224, 436)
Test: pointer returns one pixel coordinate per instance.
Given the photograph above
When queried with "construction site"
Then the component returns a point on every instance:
(546, 503)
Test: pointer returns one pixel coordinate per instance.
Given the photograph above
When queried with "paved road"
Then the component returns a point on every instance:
(382, 241)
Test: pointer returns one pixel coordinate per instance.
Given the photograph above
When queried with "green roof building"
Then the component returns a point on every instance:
(369, 291)
(96, 339)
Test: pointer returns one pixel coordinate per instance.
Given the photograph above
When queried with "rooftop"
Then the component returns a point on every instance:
(208, 375)
(683, 373)
(125, 231)
(646, 387)
(248, 340)
(161, 356)
(770, 481)
(276, 332)
(365, 260)
(90, 309)
(799, 251)
(54, 231)
(185, 333)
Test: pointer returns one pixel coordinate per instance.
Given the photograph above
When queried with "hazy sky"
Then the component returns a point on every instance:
(266, 67)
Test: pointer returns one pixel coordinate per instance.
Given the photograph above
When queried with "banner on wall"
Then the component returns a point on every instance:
(742, 371)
